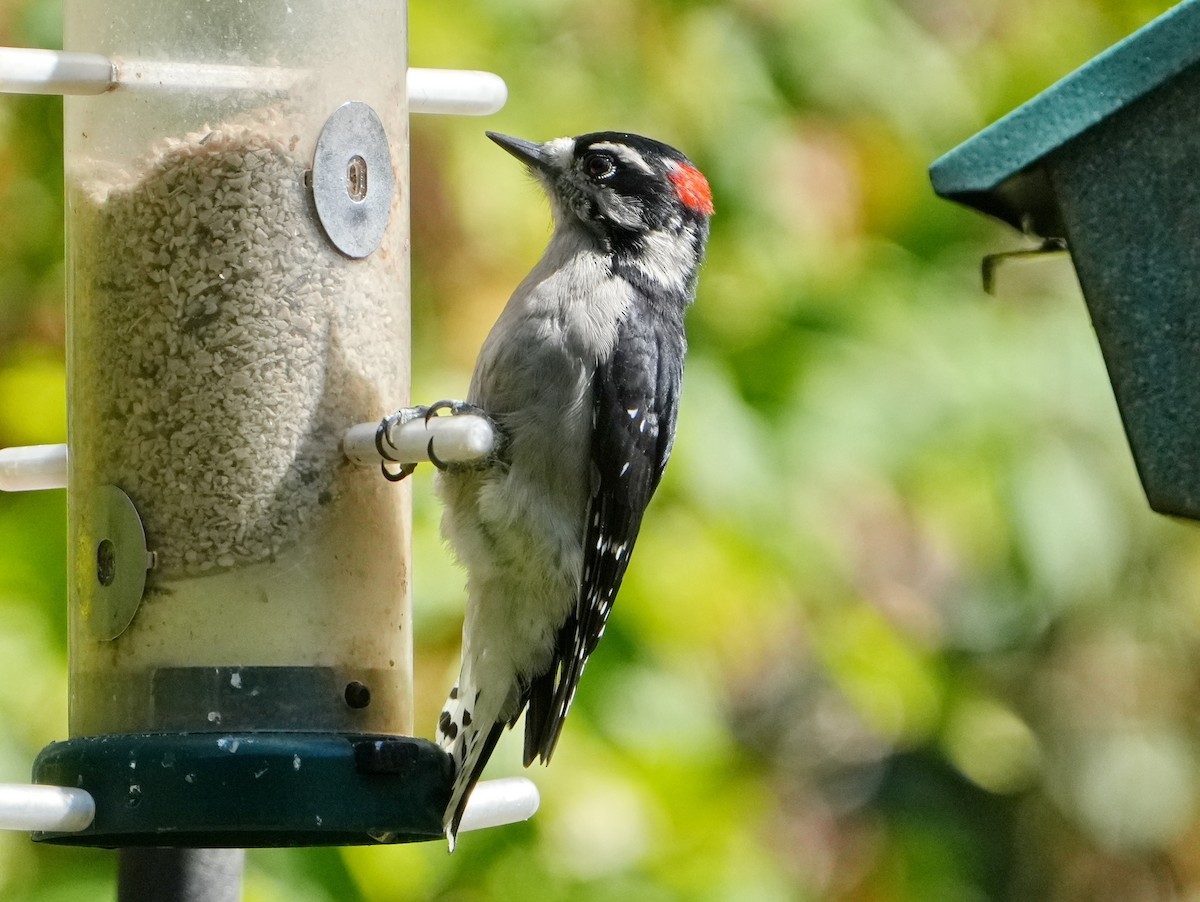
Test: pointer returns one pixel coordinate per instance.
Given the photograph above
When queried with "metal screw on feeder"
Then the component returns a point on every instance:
(240, 643)
(1104, 162)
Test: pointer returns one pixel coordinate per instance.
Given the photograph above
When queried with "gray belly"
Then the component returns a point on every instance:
(523, 513)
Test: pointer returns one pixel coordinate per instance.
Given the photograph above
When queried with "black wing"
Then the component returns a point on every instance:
(635, 401)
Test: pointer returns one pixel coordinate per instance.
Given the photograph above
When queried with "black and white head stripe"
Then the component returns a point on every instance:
(628, 155)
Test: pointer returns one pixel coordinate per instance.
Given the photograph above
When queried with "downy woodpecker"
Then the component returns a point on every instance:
(580, 376)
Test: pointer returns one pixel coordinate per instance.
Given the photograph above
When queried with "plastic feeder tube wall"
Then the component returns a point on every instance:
(237, 247)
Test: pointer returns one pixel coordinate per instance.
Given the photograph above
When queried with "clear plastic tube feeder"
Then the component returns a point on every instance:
(240, 648)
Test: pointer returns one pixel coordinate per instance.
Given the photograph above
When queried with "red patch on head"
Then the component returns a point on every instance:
(692, 188)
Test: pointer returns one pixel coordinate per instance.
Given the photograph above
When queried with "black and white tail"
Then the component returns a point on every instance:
(469, 741)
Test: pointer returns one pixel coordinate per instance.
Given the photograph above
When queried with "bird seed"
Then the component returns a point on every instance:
(220, 346)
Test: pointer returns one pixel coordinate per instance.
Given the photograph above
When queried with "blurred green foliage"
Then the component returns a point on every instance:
(900, 627)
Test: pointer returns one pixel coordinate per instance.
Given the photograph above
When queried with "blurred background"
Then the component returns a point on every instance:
(900, 625)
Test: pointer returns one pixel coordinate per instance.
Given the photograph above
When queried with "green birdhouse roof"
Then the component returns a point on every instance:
(997, 171)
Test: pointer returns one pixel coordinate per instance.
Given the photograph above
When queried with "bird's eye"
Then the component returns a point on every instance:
(599, 165)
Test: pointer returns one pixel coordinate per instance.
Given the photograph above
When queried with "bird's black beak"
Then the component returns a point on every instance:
(529, 153)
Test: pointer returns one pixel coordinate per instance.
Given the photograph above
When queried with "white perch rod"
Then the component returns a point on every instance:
(456, 439)
(53, 809)
(33, 467)
(59, 809)
(456, 92)
(494, 803)
(26, 70)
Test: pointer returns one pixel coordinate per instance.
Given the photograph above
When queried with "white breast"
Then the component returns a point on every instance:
(518, 524)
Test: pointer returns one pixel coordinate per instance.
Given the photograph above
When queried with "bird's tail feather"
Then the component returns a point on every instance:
(469, 742)
(466, 776)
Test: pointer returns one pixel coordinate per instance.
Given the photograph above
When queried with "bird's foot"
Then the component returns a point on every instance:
(456, 408)
(394, 467)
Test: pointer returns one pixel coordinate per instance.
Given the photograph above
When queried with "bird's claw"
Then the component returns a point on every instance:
(404, 472)
(455, 408)
(433, 458)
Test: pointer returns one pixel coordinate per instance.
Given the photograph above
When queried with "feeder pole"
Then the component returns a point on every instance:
(180, 875)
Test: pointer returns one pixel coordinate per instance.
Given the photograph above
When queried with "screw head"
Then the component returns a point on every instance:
(357, 695)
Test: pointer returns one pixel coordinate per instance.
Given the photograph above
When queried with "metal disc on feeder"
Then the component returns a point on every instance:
(352, 181)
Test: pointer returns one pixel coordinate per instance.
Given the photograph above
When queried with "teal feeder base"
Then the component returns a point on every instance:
(251, 790)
